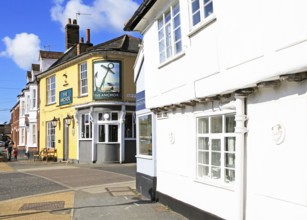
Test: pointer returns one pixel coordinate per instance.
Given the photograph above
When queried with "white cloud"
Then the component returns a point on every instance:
(23, 49)
(102, 15)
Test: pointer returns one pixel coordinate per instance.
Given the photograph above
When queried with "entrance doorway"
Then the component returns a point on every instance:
(66, 142)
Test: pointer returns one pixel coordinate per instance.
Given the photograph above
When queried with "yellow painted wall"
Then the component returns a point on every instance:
(48, 112)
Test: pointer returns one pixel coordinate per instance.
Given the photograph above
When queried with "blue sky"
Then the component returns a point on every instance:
(27, 26)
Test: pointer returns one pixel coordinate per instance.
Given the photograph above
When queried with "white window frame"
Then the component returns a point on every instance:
(83, 79)
(28, 100)
(22, 108)
(86, 125)
(51, 88)
(106, 122)
(22, 136)
(169, 46)
(33, 98)
(224, 168)
(34, 131)
(139, 154)
(50, 137)
(200, 11)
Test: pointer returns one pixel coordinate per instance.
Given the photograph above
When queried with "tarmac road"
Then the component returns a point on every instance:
(41, 190)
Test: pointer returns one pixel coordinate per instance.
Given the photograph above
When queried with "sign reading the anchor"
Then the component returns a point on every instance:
(107, 80)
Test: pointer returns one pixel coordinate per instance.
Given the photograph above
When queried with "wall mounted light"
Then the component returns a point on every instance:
(54, 121)
(69, 119)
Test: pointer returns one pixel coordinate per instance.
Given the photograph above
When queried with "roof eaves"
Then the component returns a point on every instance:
(139, 14)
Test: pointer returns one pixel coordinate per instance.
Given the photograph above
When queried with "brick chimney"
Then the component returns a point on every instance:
(72, 33)
(82, 47)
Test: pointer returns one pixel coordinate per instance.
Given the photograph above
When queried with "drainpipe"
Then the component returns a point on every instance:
(122, 134)
(240, 131)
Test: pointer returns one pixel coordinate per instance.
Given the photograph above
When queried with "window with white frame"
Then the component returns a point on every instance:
(108, 127)
(83, 79)
(33, 133)
(50, 135)
(28, 104)
(169, 33)
(22, 136)
(130, 125)
(86, 126)
(34, 98)
(22, 108)
(201, 9)
(216, 147)
(145, 135)
(51, 90)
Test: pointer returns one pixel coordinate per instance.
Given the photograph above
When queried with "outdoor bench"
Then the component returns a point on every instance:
(46, 153)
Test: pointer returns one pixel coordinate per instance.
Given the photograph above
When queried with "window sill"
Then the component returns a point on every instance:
(83, 95)
(147, 157)
(172, 59)
(209, 20)
(217, 184)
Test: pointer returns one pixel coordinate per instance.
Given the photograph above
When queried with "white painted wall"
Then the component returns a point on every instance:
(277, 173)
(246, 42)
(249, 41)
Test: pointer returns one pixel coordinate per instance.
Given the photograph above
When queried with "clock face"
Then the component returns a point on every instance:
(106, 79)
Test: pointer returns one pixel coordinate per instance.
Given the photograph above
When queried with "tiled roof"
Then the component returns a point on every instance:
(50, 54)
(35, 67)
(124, 43)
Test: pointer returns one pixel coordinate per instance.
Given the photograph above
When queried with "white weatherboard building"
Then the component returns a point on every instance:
(222, 96)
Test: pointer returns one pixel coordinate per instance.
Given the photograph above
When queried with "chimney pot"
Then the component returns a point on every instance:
(69, 20)
(82, 40)
(88, 36)
(75, 21)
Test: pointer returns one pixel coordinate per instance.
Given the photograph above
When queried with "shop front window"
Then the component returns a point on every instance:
(130, 125)
(145, 135)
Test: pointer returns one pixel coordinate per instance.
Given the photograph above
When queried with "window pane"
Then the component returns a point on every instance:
(230, 176)
(176, 9)
(203, 125)
(114, 116)
(177, 34)
(203, 158)
(145, 138)
(203, 143)
(216, 124)
(215, 173)
(230, 144)
(113, 133)
(195, 5)
(216, 159)
(178, 47)
(203, 171)
(101, 133)
(230, 160)
(167, 16)
(160, 23)
(176, 21)
(216, 144)
(208, 9)
(196, 18)
(230, 123)
(128, 125)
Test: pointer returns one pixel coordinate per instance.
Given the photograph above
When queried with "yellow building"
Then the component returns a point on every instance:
(87, 100)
